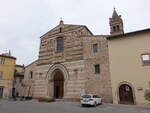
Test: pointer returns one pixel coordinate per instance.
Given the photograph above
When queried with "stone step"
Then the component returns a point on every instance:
(59, 100)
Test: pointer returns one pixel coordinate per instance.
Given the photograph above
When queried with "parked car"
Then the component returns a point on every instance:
(91, 99)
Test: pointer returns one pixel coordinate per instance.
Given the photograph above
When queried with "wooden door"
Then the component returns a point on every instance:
(58, 85)
(126, 94)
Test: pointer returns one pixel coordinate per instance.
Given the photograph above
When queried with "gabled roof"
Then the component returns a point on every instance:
(17, 65)
(11, 57)
(31, 63)
(66, 28)
(127, 34)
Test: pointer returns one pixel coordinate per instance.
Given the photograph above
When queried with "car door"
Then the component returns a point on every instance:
(95, 99)
(98, 99)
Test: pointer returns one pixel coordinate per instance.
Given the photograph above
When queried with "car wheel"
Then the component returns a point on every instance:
(101, 103)
(82, 105)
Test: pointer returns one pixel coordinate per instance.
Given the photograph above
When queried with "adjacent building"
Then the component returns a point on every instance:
(129, 61)
(129, 57)
(8, 72)
(18, 80)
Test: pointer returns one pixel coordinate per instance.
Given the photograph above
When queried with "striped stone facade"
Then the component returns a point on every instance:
(76, 62)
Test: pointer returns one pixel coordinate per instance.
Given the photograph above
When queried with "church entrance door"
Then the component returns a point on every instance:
(58, 85)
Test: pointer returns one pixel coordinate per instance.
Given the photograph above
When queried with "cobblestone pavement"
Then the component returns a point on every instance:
(66, 107)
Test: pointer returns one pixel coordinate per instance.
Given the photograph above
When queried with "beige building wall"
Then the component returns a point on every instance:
(7, 70)
(126, 64)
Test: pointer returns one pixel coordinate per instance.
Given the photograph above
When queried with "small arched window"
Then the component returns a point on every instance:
(118, 28)
(60, 29)
(114, 28)
(31, 74)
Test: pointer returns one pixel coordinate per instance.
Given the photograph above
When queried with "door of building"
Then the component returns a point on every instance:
(58, 85)
(126, 94)
(1, 92)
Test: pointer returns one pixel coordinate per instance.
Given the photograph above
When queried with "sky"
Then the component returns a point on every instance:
(22, 22)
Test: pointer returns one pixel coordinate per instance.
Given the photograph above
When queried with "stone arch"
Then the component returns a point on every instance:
(50, 78)
(132, 88)
(61, 67)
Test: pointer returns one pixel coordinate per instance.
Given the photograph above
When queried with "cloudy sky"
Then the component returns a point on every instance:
(22, 22)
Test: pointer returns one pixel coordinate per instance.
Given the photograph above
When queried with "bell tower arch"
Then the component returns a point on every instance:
(116, 24)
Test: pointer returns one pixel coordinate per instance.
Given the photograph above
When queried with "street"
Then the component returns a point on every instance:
(34, 106)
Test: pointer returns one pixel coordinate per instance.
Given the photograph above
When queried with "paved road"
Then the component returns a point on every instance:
(65, 107)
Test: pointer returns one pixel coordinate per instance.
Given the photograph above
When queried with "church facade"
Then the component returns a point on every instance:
(72, 60)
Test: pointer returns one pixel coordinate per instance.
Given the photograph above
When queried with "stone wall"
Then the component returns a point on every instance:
(100, 83)
(74, 79)
(76, 62)
(28, 82)
(73, 46)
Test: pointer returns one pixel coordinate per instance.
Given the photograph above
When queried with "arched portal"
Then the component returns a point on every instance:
(126, 94)
(58, 71)
(58, 84)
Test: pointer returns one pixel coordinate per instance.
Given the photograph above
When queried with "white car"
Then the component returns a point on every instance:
(90, 99)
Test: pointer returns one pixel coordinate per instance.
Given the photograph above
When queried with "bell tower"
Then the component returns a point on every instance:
(116, 24)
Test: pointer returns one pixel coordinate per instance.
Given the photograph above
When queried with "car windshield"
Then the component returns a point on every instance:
(86, 96)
